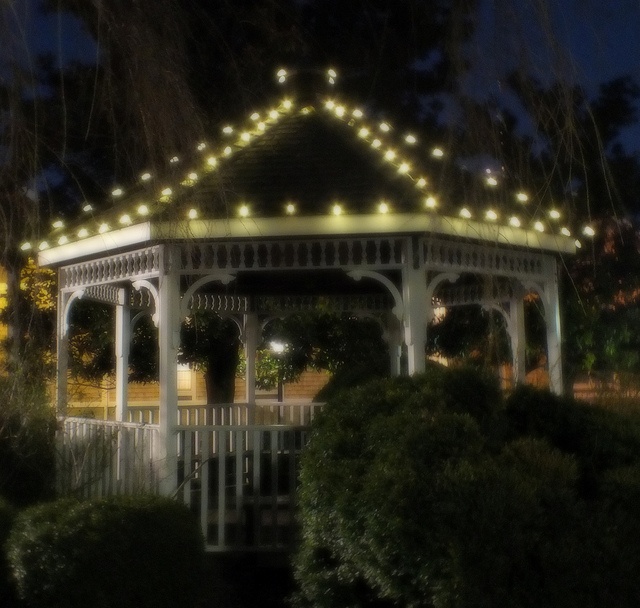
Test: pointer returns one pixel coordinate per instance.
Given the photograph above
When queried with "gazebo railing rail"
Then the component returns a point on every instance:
(239, 479)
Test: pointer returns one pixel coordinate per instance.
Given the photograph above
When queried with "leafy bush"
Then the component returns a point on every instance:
(7, 515)
(430, 491)
(141, 551)
(27, 453)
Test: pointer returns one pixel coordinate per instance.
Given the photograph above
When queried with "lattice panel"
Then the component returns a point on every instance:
(133, 265)
(219, 303)
(334, 304)
(282, 255)
(478, 259)
(107, 294)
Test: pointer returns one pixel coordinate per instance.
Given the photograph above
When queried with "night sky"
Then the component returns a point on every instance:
(599, 39)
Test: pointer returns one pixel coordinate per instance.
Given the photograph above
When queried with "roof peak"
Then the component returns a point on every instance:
(308, 85)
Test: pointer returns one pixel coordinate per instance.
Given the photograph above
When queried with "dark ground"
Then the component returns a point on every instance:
(247, 581)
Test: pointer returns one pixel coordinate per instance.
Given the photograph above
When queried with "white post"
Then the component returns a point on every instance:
(414, 294)
(62, 352)
(518, 337)
(123, 340)
(250, 347)
(168, 342)
(554, 333)
(393, 338)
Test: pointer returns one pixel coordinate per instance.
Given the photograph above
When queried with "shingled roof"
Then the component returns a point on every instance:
(314, 157)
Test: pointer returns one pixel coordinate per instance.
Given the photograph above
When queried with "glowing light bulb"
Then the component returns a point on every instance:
(83, 233)
(437, 153)
(88, 208)
(44, 245)
(514, 221)
(404, 168)
(492, 181)
(376, 143)
(290, 208)
(228, 150)
(363, 132)
(578, 244)
(358, 113)
(389, 155)
(383, 207)
(340, 111)
(554, 214)
(63, 240)
(25, 246)
(565, 231)
(166, 192)
(330, 104)
(245, 136)
(143, 210)
(201, 146)
(244, 211)
(255, 117)
(410, 139)
(174, 159)
(145, 177)
(193, 176)
(337, 209)
(287, 104)
(522, 197)
(491, 215)
(421, 182)
(117, 192)
(281, 75)
(539, 226)
(261, 126)
(332, 73)
(193, 214)
(465, 213)
(228, 130)
(125, 219)
(431, 202)
(385, 127)
(58, 224)
(212, 161)
(588, 231)
(103, 228)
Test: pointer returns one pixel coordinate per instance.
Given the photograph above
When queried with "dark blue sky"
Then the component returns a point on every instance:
(597, 40)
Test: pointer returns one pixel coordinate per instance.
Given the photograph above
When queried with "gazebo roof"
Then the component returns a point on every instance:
(314, 165)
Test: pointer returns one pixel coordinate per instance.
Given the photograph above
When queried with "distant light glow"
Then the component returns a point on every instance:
(228, 150)
(522, 197)
(492, 181)
(117, 192)
(539, 226)
(246, 136)
(376, 143)
(125, 219)
(63, 240)
(588, 231)
(404, 168)
(363, 132)
(146, 176)
(431, 202)
(491, 215)
(421, 182)
(228, 130)
(212, 161)
(193, 214)
(255, 117)
(383, 207)
(201, 146)
(514, 221)
(437, 153)
(88, 208)
(244, 211)
(329, 104)
(465, 213)
(554, 214)
(58, 224)
(273, 114)
(287, 104)
(358, 113)
(389, 154)
(385, 127)
(174, 159)
(103, 228)
(83, 233)
(290, 208)
(340, 111)
(143, 210)
(44, 245)
(25, 246)
(410, 139)
(337, 209)
(565, 231)
(166, 192)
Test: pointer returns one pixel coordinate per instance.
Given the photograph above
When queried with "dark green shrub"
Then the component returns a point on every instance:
(27, 452)
(428, 491)
(122, 552)
(7, 592)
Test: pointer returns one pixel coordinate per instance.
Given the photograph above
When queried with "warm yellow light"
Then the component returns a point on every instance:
(383, 207)
(376, 143)
(212, 161)
(88, 208)
(166, 192)
(363, 132)
(125, 219)
(421, 182)
(465, 213)
(193, 214)
(244, 211)
(287, 104)
(245, 136)
(143, 210)
(329, 104)
(588, 231)
(201, 146)
(58, 224)
(522, 197)
(431, 202)
(340, 111)
(273, 114)
(337, 209)
(565, 231)
(25, 246)
(145, 177)
(491, 215)
(290, 208)
(554, 214)
(332, 73)
(389, 155)
(261, 126)
(44, 245)
(83, 233)
(228, 150)
(117, 192)
(63, 240)
(539, 226)
(410, 139)
(437, 153)
(281, 75)
(578, 244)
(103, 228)
(174, 159)
(404, 168)
(492, 181)
(255, 117)
(193, 176)
(514, 221)
(228, 130)
(358, 113)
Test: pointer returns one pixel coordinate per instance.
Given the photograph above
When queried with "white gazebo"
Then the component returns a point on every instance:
(310, 196)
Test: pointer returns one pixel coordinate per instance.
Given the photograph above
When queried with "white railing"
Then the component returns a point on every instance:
(242, 482)
(299, 413)
(102, 458)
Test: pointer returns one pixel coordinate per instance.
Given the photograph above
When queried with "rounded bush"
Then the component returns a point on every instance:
(141, 551)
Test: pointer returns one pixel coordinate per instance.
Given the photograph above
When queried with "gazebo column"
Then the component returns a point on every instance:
(517, 336)
(168, 342)
(554, 333)
(250, 335)
(414, 291)
(62, 355)
(123, 342)
(393, 338)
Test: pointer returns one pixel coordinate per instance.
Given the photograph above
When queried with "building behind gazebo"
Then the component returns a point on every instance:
(310, 197)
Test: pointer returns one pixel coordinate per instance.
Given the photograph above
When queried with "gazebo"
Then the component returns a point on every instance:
(311, 196)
